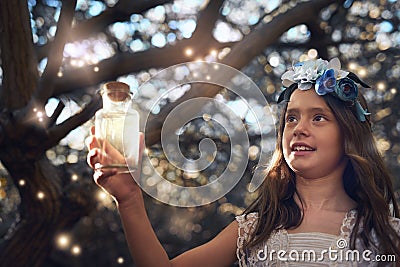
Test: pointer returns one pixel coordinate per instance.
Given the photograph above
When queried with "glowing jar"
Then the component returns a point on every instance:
(117, 124)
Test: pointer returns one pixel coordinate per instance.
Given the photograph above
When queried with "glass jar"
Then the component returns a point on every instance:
(117, 127)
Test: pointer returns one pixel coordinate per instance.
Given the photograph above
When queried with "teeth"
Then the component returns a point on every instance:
(302, 148)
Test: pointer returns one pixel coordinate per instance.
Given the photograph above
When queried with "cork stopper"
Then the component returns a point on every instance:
(116, 91)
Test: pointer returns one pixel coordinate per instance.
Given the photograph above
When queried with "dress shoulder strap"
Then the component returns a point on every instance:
(350, 220)
(348, 223)
(246, 226)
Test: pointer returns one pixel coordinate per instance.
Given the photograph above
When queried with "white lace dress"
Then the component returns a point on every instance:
(308, 249)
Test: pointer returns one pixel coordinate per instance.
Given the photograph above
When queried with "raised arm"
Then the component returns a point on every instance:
(220, 251)
(146, 250)
(143, 243)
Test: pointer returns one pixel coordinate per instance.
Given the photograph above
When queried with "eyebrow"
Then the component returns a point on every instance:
(312, 109)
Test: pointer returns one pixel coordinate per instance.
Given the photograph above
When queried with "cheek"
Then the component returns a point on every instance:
(339, 140)
(337, 143)
(341, 146)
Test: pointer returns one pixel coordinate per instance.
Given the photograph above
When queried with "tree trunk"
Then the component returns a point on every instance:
(46, 208)
(39, 210)
(19, 64)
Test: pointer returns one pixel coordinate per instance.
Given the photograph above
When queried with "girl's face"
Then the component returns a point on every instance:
(312, 140)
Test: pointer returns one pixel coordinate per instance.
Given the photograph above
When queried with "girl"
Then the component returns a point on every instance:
(327, 198)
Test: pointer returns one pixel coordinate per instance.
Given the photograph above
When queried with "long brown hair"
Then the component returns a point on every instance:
(365, 179)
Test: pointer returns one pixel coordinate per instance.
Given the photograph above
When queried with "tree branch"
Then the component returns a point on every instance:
(46, 83)
(56, 133)
(120, 12)
(123, 63)
(268, 33)
(53, 118)
(207, 19)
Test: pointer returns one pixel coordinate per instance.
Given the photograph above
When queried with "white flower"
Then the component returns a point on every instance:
(336, 66)
(306, 73)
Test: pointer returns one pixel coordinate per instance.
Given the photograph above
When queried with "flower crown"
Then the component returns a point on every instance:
(328, 78)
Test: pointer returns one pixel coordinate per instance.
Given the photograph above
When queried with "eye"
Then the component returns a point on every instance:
(290, 118)
(320, 118)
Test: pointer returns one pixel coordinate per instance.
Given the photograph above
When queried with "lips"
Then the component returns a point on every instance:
(302, 147)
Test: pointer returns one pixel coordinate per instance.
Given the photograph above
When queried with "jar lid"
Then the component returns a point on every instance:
(116, 91)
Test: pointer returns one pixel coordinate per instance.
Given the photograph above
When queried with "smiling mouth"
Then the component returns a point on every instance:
(302, 148)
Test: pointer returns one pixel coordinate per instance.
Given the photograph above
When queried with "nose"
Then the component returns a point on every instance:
(301, 128)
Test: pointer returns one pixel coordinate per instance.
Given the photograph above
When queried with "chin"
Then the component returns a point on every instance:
(300, 167)
(305, 172)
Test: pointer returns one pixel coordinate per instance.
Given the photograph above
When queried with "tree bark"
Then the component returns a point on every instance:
(17, 55)
(46, 207)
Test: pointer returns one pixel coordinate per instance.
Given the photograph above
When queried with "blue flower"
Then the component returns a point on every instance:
(326, 83)
(346, 89)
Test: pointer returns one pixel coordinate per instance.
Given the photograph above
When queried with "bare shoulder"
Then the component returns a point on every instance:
(220, 251)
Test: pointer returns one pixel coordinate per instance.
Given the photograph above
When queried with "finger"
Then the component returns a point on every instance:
(101, 176)
(92, 142)
(112, 152)
(92, 157)
(96, 156)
